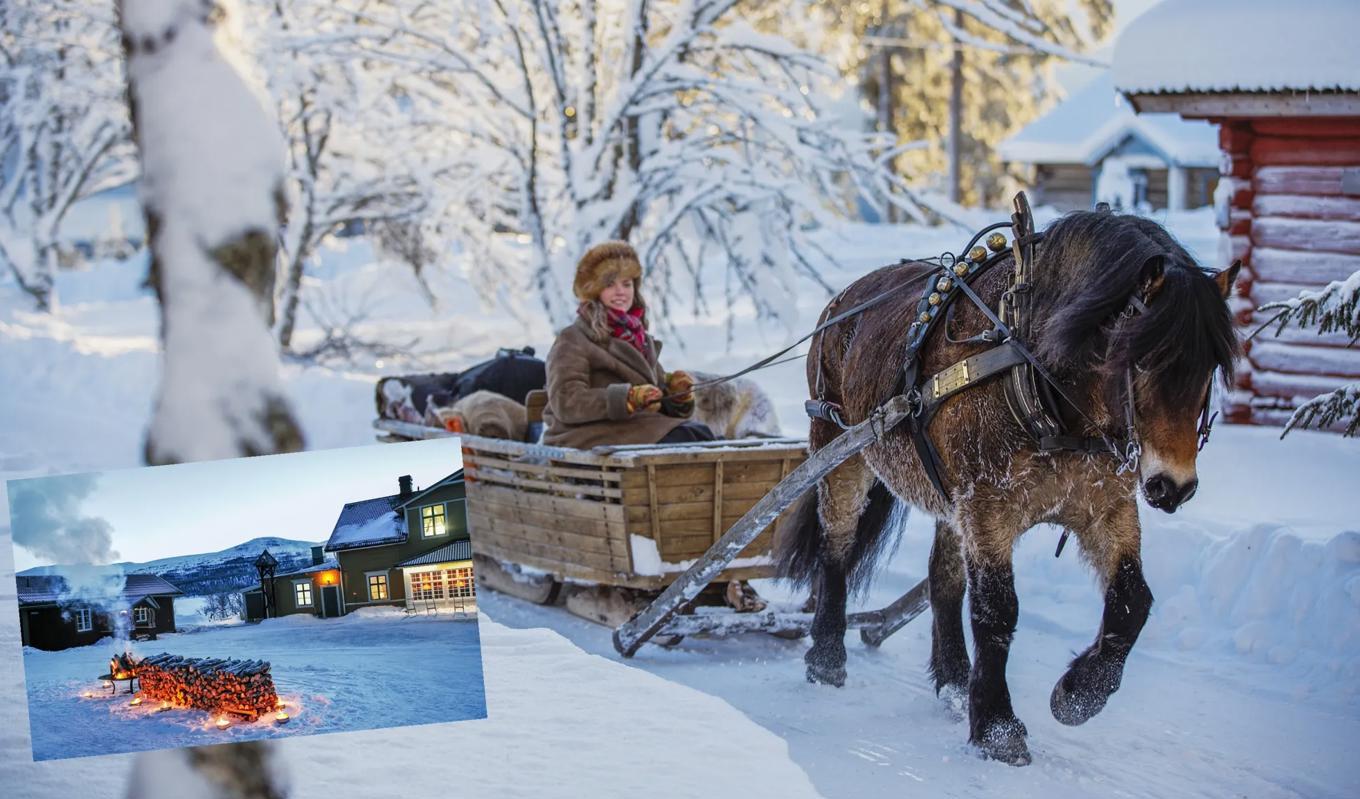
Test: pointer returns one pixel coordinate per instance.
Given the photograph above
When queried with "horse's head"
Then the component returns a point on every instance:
(1174, 377)
(1155, 364)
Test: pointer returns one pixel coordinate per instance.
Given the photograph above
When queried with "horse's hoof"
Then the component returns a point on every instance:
(1073, 706)
(1005, 741)
(826, 675)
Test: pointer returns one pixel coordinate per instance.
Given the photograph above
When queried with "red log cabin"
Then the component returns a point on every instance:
(1283, 85)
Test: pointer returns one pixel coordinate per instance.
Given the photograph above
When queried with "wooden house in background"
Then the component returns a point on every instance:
(314, 590)
(51, 617)
(1283, 84)
(1172, 162)
(409, 549)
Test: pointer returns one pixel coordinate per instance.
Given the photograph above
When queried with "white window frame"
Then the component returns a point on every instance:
(142, 615)
(443, 517)
(84, 619)
(311, 594)
(387, 585)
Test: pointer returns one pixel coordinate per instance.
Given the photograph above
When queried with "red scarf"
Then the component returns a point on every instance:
(627, 325)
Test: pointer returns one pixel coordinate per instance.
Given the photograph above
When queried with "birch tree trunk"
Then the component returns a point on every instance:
(212, 172)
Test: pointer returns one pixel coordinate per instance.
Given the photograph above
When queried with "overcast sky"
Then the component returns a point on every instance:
(162, 511)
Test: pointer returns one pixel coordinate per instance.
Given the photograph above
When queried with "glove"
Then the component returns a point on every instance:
(644, 397)
(680, 385)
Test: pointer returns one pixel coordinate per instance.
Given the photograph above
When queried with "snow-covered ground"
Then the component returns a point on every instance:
(358, 672)
(1245, 682)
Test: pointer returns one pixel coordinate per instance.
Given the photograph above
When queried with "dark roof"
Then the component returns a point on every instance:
(366, 523)
(456, 550)
(52, 588)
(456, 477)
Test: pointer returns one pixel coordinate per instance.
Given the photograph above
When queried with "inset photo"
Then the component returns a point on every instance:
(224, 601)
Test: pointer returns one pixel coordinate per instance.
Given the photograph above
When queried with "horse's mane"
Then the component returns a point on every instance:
(1088, 266)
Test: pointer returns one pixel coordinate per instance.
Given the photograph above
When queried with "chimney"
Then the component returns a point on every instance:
(318, 554)
(404, 483)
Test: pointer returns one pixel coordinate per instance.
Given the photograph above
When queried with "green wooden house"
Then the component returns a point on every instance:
(314, 590)
(409, 549)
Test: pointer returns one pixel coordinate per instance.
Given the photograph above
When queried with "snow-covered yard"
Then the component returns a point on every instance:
(1246, 681)
(374, 668)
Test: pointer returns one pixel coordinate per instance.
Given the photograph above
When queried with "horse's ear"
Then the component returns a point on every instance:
(1227, 278)
(1152, 276)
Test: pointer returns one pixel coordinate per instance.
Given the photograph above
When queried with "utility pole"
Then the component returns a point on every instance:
(955, 112)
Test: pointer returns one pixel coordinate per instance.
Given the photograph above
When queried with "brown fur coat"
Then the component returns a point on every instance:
(588, 382)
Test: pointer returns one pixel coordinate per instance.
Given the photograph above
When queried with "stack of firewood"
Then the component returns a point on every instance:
(244, 687)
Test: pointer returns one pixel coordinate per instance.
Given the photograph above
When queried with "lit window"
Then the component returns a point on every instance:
(83, 621)
(141, 616)
(427, 585)
(432, 520)
(302, 594)
(377, 587)
(460, 583)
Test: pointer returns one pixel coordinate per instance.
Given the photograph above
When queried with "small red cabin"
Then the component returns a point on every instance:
(1283, 84)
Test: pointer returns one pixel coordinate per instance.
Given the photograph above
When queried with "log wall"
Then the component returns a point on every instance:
(1295, 228)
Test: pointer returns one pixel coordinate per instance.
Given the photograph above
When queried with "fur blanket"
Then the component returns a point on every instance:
(486, 414)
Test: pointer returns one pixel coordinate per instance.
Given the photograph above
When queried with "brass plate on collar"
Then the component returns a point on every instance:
(954, 377)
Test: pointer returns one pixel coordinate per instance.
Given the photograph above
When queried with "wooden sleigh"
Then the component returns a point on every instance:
(643, 538)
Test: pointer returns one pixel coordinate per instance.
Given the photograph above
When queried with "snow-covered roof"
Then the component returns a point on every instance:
(325, 565)
(457, 550)
(368, 523)
(1182, 46)
(52, 588)
(1085, 127)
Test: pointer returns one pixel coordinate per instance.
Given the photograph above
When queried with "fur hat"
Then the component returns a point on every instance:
(602, 265)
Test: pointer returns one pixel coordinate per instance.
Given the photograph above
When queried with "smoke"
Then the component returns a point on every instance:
(46, 519)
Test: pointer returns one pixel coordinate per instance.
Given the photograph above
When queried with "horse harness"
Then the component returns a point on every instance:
(1032, 393)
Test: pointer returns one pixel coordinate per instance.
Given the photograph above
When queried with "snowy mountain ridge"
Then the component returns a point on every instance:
(228, 569)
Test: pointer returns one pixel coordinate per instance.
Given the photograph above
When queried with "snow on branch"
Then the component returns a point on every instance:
(1334, 308)
(64, 131)
(715, 147)
(1324, 411)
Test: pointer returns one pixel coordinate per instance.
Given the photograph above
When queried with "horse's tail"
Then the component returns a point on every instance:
(799, 558)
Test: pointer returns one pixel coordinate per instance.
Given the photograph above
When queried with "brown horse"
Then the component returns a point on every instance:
(999, 484)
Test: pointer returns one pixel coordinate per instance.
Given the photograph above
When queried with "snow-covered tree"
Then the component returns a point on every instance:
(905, 54)
(360, 157)
(1334, 308)
(212, 188)
(64, 131)
(673, 123)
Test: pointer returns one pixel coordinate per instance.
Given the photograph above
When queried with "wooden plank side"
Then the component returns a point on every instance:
(513, 538)
(545, 486)
(718, 529)
(565, 506)
(590, 534)
(544, 471)
(702, 473)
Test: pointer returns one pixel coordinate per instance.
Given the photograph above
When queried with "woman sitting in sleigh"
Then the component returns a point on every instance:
(605, 385)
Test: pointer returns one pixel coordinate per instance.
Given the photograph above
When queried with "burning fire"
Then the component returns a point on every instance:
(87, 694)
(136, 700)
(122, 667)
(164, 707)
(223, 722)
(281, 717)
